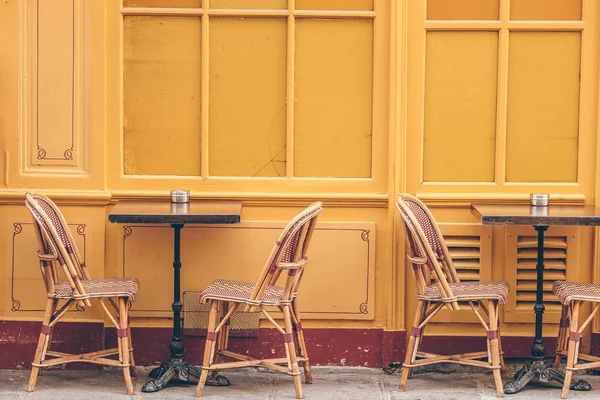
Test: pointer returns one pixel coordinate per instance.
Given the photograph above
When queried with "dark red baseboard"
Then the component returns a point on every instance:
(330, 346)
(18, 341)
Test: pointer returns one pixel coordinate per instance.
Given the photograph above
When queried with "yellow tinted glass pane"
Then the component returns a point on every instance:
(163, 3)
(247, 96)
(462, 9)
(268, 4)
(161, 94)
(545, 9)
(543, 107)
(334, 95)
(460, 106)
(334, 4)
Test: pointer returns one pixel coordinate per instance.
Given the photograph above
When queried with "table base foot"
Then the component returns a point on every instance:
(178, 371)
(544, 373)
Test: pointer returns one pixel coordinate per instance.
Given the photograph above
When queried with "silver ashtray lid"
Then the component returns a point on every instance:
(539, 199)
(180, 196)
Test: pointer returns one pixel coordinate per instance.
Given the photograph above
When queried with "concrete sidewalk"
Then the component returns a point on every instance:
(329, 383)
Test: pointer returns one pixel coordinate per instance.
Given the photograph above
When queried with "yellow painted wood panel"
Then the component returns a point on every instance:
(247, 97)
(267, 4)
(460, 106)
(161, 95)
(543, 107)
(338, 282)
(334, 4)
(334, 96)
(53, 139)
(163, 3)
(463, 9)
(545, 9)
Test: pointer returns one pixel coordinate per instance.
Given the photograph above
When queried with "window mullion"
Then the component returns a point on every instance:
(290, 69)
(204, 172)
(502, 94)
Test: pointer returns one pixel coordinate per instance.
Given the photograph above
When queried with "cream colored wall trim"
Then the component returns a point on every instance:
(62, 197)
(272, 199)
(465, 199)
(102, 197)
(397, 183)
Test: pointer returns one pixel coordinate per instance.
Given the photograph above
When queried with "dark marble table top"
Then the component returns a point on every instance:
(165, 212)
(524, 214)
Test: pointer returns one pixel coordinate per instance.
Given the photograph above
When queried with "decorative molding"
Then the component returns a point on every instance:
(61, 197)
(461, 200)
(354, 200)
(35, 157)
(104, 197)
(17, 230)
(362, 309)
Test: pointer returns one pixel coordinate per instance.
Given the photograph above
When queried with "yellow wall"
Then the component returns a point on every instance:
(349, 102)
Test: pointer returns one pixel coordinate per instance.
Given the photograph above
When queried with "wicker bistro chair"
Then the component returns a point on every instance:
(438, 287)
(572, 295)
(57, 248)
(225, 296)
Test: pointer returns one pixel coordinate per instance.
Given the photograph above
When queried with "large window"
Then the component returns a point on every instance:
(285, 90)
(501, 95)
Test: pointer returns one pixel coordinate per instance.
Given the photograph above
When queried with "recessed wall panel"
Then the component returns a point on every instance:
(333, 98)
(545, 10)
(334, 4)
(247, 97)
(265, 4)
(161, 95)
(460, 106)
(463, 9)
(542, 135)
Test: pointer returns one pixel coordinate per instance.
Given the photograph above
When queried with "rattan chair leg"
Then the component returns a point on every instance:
(220, 343)
(503, 369)
(209, 348)
(494, 347)
(49, 339)
(123, 323)
(572, 350)
(132, 369)
(563, 332)
(291, 353)
(419, 338)
(301, 343)
(42, 346)
(411, 347)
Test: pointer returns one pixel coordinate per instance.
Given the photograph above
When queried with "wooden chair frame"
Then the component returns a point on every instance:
(54, 249)
(568, 342)
(432, 267)
(289, 254)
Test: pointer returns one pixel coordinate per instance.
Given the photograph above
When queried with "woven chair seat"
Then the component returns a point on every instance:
(109, 287)
(568, 291)
(228, 290)
(470, 291)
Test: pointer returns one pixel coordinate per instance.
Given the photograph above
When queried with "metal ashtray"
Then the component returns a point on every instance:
(180, 196)
(180, 208)
(539, 199)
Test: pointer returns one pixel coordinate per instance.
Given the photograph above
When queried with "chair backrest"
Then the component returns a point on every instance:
(289, 253)
(56, 245)
(429, 255)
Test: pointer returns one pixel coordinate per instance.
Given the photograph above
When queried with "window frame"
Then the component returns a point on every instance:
(119, 182)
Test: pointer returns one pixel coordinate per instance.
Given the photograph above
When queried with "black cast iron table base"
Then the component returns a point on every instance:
(176, 368)
(179, 371)
(544, 373)
(538, 368)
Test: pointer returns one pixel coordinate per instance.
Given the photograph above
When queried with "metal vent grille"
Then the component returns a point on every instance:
(555, 268)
